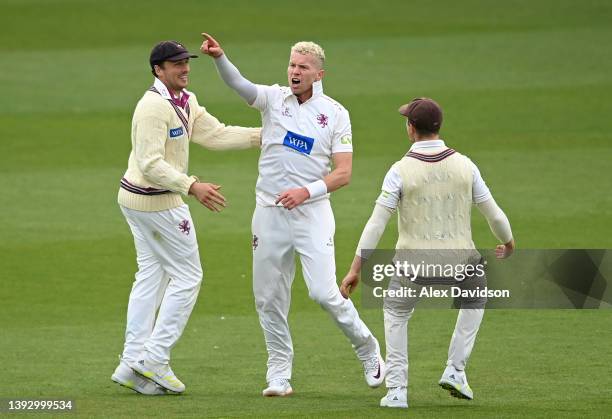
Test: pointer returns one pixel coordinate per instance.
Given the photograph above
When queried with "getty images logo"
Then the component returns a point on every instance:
(298, 142)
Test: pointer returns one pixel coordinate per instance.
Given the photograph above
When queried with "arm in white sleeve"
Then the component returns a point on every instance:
(232, 77)
(498, 222)
(480, 190)
(374, 230)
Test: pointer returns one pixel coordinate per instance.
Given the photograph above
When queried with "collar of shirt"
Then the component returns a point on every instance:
(317, 90)
(420, 145)
(165, 93)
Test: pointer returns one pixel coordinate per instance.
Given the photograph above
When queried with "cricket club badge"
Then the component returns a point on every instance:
(322, 120)
(185, 227)
(255, 242)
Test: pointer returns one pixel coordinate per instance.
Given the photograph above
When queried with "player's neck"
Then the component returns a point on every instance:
(303, 97)
(176, 94)
(428, 138)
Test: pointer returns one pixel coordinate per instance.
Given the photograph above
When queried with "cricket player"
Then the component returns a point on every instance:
(432, 188)
(303, 132)
(166, 120)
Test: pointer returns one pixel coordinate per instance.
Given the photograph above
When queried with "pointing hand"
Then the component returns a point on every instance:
(210, 46)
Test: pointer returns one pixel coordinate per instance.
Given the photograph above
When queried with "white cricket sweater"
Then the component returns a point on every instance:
(156, 176)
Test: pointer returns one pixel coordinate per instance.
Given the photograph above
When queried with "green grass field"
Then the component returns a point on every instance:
(525, 86)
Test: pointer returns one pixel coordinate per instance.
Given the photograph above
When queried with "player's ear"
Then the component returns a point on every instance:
(320, 74)
(158, 69)
(411, 132)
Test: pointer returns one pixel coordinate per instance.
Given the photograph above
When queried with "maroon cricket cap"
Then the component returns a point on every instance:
(169, 51)
(424, 114)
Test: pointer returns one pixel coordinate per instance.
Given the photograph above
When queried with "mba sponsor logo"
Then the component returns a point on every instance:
(176, 132)
(298, 142)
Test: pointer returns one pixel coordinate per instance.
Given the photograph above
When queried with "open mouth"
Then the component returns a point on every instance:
(295, 81)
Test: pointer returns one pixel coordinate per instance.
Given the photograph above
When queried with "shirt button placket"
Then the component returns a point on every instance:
(298, 116)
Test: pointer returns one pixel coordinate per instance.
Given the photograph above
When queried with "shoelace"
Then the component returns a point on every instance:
(371, 365)
(161, 370)
(165, 371)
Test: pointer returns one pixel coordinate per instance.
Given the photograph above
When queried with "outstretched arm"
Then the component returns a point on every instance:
(228, 71)
(214, 135)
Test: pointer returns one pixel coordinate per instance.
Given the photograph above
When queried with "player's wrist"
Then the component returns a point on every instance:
(193, 182)
(316, 189)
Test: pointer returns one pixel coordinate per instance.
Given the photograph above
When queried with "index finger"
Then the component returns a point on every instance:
(208, 37)
(217, 195)
(280, 197)
(219, 201)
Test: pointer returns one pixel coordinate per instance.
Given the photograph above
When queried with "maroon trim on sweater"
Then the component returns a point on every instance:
(431, 158)
(177, 109)
(130, 187)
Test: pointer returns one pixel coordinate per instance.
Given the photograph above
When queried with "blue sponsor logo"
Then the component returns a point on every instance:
(176, 132)
(298, 142)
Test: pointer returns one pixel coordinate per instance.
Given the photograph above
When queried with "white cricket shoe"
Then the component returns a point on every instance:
(374, 368)
(456, 383)
(126, 377)
(396, 397)
(160, 373)
(280, 387)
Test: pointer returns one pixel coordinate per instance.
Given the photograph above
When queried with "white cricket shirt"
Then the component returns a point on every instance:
(392, 185)
(297, 141)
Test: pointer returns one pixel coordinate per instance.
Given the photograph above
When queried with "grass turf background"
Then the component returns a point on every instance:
(525, 86)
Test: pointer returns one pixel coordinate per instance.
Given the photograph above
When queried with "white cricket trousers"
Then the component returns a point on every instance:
(168, 278)
(278, 234)
(397, 312)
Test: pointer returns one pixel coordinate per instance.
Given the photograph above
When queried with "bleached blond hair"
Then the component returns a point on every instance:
(307, 47)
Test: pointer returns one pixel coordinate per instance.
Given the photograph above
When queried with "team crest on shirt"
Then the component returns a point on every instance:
(286, 112)
(322, 120)
(185, 227)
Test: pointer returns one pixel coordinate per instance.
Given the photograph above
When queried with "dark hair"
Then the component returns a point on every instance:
(161, 64)
(424, 132)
